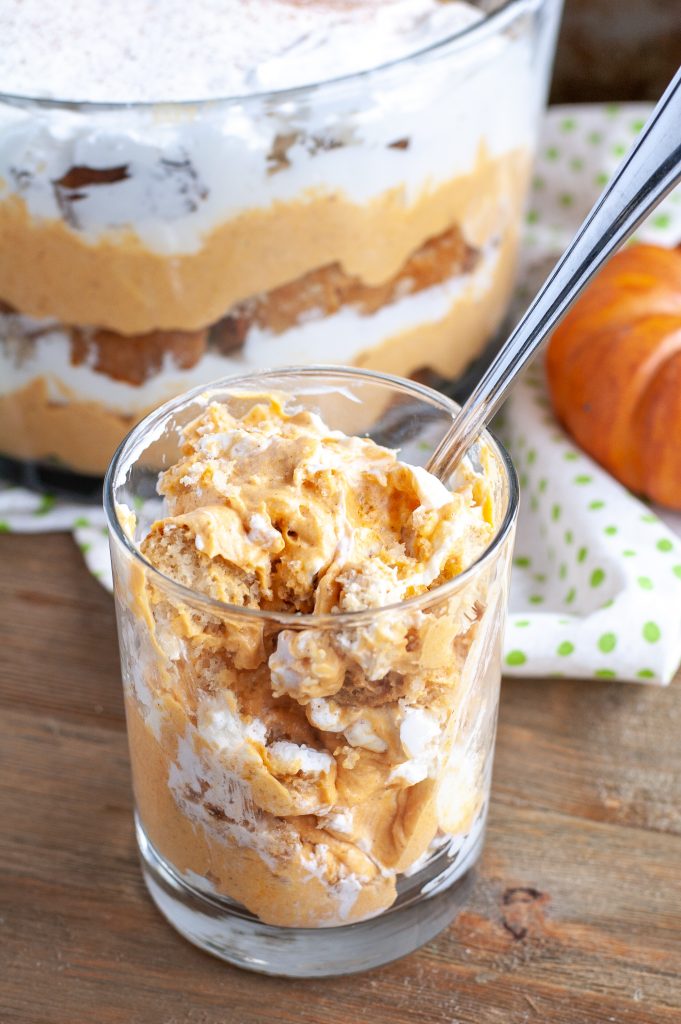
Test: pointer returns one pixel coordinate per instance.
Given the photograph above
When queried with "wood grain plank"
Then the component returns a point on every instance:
(605, 751)
(575, 917)
(57, 633)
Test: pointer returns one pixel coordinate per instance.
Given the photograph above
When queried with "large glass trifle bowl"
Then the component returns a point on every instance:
(155, 235)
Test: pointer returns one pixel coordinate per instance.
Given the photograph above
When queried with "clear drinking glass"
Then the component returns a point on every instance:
(371, 220)
(283, 847)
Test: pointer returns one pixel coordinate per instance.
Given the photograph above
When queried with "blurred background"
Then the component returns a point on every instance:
(616, 50)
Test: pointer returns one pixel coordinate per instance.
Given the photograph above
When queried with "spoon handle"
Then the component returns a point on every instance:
(648, 173)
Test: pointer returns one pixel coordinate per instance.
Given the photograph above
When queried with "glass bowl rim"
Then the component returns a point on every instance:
(493, 21)
(128, 451)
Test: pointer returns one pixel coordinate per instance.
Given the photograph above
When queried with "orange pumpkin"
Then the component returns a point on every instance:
(614, 371)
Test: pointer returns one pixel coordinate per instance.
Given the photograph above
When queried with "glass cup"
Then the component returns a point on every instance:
(320, 836)
(372, 220)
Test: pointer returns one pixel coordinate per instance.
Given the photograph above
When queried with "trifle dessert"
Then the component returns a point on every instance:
(264, 182)
(310, 630)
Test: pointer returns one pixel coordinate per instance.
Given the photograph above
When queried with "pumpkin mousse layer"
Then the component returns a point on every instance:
(115, 281)
(71, 394)
(302, 767)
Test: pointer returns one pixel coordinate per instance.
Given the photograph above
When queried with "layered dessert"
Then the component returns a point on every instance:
(310, 706)
(155, 235)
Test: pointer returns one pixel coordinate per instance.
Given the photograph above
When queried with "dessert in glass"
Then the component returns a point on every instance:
(310, 627)
(280, 181)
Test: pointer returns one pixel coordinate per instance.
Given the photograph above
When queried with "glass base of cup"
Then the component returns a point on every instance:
(431, 900)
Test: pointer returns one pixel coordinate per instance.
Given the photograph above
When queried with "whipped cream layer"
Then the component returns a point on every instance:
(169, 175)
(132, 51)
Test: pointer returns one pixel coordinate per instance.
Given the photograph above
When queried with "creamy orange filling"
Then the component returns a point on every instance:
(299, 772)
(83, 435)
(47, 269)
(323, 292)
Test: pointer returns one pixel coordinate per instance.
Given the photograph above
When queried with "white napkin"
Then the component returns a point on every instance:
(596, 586)
(24, 511)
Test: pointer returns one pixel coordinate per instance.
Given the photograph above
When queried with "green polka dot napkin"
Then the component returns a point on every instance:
(24, 511)
(596, 586)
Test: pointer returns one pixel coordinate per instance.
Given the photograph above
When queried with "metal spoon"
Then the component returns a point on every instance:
(649, 172)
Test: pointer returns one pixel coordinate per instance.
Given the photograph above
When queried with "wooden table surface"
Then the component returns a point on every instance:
(576, 913)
